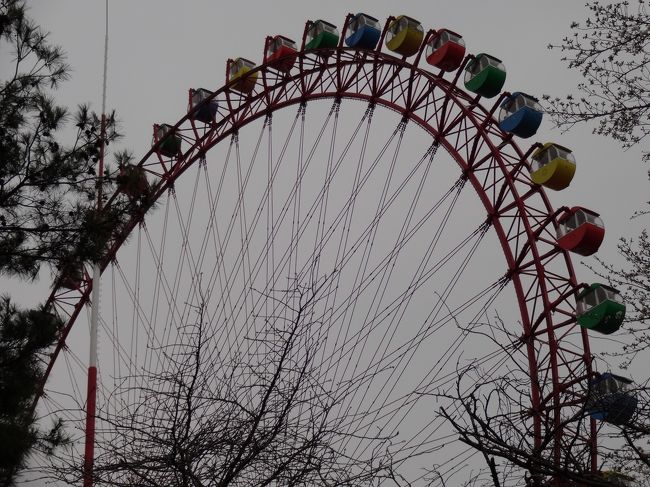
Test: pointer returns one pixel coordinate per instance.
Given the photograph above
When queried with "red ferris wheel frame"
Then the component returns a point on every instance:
(517, 209)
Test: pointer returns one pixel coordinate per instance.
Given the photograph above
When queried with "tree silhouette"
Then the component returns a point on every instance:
(610, 50)
(48, 196)
(494, 417)
(257, 418)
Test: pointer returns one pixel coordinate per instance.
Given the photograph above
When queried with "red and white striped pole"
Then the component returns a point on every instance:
(91, 396)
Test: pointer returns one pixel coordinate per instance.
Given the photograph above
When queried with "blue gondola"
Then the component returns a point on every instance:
(610, 399)
(520, 114)
(207, 110)
(363, 31)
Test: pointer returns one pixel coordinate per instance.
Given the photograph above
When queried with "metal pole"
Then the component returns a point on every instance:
(91, 397)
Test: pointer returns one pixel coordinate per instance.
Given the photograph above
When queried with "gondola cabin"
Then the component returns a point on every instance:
(205, 110)
(321, 34)
(600, 308)
(404, 35)
(580, 231)
(71, 276)
(170, 142)
(363, 32)
(280, 53)
(553, 166)
(611, 399)
(239, 72)
(520, 114)
(485, 75)
(132, 181)
(616, 478)
(446, 50)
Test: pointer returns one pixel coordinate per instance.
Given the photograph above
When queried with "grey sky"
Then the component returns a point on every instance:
(160, 48)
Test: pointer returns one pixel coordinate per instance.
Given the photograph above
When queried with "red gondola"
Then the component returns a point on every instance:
(446, 50)
(580, 231)
(281, 52)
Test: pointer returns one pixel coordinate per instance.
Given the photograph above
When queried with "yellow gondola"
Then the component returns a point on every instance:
(404, 35)
(240, 68)
(553, 166)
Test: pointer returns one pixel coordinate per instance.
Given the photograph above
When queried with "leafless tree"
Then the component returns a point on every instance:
(494, 417)
(220, 419)
(626, 446)
(610, 50)
(633, 281)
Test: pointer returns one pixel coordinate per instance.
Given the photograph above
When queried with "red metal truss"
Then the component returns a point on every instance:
(519, 211)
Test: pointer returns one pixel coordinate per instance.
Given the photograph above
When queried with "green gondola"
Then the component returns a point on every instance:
(485, 75)
(171, 144)
(322, 34)
(600, 308)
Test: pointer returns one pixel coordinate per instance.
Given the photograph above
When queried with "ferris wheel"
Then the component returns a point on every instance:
(336, 256)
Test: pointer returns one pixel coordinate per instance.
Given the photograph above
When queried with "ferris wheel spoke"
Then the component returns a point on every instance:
(360, 274)
(186, 263)
(257, 266)
(228, 278)
(158, 256)
(270, 219)
(342, 306)
(433, 382)
(311, 212)
(163, 285)
(397, 354)
(398, 405)
(322, 206)
(238, 215)
(431, 430)
(252, 226)
(125, 362)
(243, 227)
(390, 263)
(386, 260)
(342, 245)
(303, 221)
(220, 241)
(393, 255)
(345, 214)
(390, 383)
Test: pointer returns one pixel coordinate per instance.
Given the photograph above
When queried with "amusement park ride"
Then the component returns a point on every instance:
(605, 397)
(579, 230)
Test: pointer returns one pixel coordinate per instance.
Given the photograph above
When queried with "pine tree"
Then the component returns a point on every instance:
(48, 196)
(47, 188)
(24, 335)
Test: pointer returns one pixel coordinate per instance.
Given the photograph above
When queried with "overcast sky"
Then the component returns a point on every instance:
(160, 48)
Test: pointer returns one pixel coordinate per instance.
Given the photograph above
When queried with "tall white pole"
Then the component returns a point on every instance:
(91, 396)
